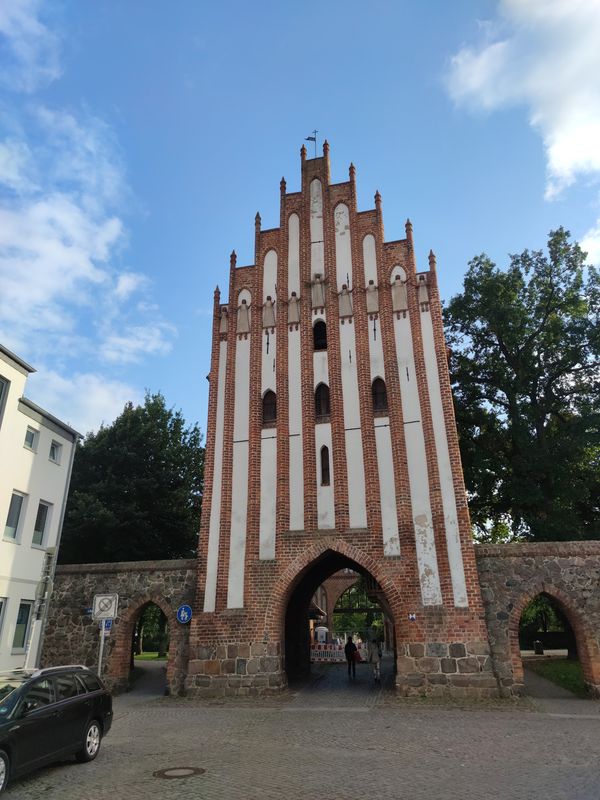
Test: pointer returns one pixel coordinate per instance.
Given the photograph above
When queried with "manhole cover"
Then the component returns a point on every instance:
(179, 772)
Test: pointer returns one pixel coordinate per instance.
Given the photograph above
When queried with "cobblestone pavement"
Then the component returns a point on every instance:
(336, 740)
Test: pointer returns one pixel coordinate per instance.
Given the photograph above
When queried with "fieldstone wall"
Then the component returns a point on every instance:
(512, 575)
(72, 637)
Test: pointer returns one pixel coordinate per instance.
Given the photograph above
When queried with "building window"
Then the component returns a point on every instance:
(14, 514)
(55, 452)
(31, 438)
(325, 466)
(4, 384)
(22, 626)
(41, 521)
(320, 335)
(322, 408)
(2, 610)
(269, 408)
(379, 394)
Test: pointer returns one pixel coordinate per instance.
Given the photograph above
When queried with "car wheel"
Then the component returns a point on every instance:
(91, 742)
(4, 769)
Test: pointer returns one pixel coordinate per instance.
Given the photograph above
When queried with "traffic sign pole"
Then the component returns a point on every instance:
(101, 626)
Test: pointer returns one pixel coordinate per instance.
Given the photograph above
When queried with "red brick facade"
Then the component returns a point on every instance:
(243, 649)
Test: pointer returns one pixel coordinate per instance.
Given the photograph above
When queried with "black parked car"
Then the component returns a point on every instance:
(47, 714)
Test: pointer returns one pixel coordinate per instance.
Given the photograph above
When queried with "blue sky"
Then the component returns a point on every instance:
(138, 139)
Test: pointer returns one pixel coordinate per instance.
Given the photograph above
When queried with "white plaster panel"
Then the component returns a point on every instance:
(387, 488)
(376, 350)
(417, 466)
(357, 504)
(239, 511)
(316, 211)
(398, 270)
(320, 370)
(268, 493)
(296, 483)
(343, 249)
(242, 390)
(349, 376)
(212, 562)
(269, 350)
(239, 478)
(325, 504)
(354, 452)
(296, 465)
(269, 275)
(294, 255)
(370, 259)
(317, 260)
(457, 572)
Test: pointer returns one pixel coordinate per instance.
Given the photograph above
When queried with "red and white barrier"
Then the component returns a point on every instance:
(334, 653)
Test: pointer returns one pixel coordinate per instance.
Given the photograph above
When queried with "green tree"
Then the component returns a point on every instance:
(136, 488)
(525, 367)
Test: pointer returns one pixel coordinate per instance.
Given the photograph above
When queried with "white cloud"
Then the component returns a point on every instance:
(15, 165)
(60, 242)
(591, 244)
(138, 341)
(545, 55)
(84, 401)
(29, 51)
(128, 283)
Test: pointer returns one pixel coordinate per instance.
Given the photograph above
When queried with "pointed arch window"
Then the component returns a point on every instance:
(269, 408)
(320, 335)
(379, 394)
(322, 407)
(325, 479)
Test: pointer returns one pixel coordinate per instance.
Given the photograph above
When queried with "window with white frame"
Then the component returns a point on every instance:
(22, 626)
(55, 452)
(41, 522)
(31, 437)
(15, 508)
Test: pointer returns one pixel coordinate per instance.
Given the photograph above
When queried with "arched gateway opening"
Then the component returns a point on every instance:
(551, 639)
(300, 610)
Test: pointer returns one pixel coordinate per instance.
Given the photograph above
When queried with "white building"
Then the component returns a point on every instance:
(36, 456)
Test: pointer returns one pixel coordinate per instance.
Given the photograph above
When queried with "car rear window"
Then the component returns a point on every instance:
(65, 686)
(90, 681)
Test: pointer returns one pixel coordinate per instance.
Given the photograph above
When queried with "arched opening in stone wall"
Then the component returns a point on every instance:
(552, 646)
(150, 649)
(304, 652)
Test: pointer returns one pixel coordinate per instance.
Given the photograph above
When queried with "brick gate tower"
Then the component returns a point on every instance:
(331, 443)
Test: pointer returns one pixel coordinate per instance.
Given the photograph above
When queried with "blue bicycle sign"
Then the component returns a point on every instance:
(184, 614)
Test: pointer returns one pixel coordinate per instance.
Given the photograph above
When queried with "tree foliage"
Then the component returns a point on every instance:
(136, 488)
(525, 367)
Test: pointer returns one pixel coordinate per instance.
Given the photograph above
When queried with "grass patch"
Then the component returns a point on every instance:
(561, 671)
(150, 657)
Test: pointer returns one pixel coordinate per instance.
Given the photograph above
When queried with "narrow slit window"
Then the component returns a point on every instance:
(322, 408)
(325, 481)
(379, 393)
(269, 408)
(320, 335)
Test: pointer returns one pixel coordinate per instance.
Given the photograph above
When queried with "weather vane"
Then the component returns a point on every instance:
(313, 138)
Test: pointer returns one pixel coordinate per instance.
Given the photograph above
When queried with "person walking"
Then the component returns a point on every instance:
(350, 650)
(375, 659)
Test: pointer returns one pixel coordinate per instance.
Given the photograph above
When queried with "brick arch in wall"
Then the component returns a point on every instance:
(587, 644)
(299, 568)
(117, 668)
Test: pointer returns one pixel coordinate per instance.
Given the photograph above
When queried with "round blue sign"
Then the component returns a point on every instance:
(184, 614)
